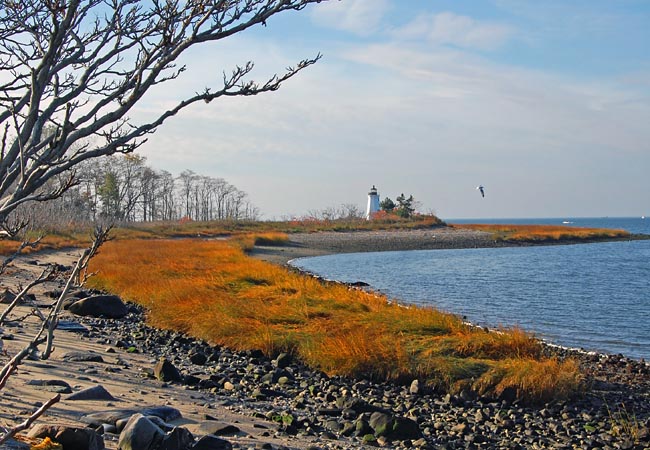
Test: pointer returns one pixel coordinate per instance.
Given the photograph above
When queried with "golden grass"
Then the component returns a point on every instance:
(49, 242)
(541, 233)
(213, 291)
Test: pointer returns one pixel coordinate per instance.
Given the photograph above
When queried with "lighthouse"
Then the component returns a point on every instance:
(373, 203)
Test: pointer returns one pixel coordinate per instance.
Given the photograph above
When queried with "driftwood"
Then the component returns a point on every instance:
(46, 275)
(24, 425)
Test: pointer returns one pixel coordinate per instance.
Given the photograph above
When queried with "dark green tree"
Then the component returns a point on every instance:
(387, 205)
(405, 207)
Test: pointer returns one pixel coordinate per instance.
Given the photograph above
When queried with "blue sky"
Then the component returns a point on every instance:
(545, 103)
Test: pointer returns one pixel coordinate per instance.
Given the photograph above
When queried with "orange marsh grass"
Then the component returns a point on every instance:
(213, 291)
(536, 233)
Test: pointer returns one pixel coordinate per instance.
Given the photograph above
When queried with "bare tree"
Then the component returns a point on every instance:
(78, 67)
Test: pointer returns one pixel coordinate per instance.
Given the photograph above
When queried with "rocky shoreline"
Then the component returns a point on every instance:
(291, 406)
(252, 402)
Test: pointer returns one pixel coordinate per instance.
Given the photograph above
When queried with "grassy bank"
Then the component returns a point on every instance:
(78, 235)
(544, 233)
(213, 291)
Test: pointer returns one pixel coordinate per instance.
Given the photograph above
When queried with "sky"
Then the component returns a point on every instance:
(546, 104)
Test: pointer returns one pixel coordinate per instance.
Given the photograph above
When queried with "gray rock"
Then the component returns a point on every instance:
(57, 386)
(71, 438)
(218, 428)
(275, 375)
(362, 428)
(382, 423)
(71, 325)
(160, 423)
(177, 439)
(109, 306)
(356, 404)
(166, 371)
(140, 434)
(283, 360)
(404, 428)
(82, 357)
(94, 393)
(198, 358)
(211, 443)
(6, 296)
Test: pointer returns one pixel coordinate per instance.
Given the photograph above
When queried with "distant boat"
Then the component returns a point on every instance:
(566, 221)
(643, 217)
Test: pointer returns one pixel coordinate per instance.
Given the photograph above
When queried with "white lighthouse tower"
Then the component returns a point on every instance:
(373, 203)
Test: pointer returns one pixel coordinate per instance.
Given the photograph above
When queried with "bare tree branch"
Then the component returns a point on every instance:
(26, 424)
(100, 235)
(76, 71)
(46, 275)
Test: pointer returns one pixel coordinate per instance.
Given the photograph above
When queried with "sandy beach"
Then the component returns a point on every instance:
(246, 406)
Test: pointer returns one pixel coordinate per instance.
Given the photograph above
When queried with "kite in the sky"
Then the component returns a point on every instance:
(481, 189)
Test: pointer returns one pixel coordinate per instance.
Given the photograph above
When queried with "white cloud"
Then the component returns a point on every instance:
(361, 17)
(433, 122)
(447, 28)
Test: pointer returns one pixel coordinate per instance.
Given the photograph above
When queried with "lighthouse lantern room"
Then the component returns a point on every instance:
(373, 203)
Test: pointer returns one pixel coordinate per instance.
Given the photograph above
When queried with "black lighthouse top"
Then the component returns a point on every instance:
(373, 191)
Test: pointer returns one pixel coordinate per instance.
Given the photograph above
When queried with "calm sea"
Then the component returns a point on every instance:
(591, 296)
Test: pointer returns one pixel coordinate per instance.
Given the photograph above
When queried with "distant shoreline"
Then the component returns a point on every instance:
(322, 243)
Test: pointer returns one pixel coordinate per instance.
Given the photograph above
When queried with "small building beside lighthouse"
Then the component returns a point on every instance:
(373, 203)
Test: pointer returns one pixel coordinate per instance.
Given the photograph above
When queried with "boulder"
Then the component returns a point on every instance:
(166, 371)
(109, 306)
(71, 438)
(140, 433)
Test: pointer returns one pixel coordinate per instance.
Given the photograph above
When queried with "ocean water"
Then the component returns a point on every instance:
(590, 296)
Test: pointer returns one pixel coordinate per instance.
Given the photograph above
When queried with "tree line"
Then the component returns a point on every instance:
(123, 188)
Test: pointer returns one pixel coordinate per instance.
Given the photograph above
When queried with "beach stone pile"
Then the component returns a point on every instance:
(343, 413)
